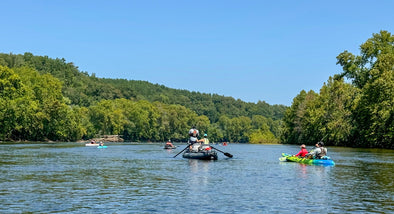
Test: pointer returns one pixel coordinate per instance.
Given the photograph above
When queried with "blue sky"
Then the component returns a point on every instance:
(250, 50)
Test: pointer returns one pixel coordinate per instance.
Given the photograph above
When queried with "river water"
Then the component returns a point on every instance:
(145, 178)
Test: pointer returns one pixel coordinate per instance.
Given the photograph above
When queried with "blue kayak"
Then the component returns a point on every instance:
(102, 147)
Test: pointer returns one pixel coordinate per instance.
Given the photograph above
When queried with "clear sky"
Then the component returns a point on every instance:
(250, 50)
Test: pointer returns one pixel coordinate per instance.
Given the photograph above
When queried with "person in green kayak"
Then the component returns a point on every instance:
(314, 147)
(302, 152)
(319, 152)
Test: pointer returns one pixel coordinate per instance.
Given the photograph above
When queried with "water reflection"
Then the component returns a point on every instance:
(199, 172)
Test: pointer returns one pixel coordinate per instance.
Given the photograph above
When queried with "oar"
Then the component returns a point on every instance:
(323, 138)
(182, 151)
(225, 153)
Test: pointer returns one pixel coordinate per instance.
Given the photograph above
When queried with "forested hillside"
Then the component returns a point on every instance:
(50, 99)
(358, 112)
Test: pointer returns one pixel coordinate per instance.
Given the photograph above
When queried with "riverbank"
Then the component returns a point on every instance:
(105, 138)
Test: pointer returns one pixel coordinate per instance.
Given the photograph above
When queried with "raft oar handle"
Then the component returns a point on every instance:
(181, 151)
(225, 153)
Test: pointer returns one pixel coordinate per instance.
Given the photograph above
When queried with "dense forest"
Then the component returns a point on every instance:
(45, 99)
(354, 108)
(50, 99)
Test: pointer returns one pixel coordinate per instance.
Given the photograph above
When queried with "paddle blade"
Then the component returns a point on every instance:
(225, 153)
(228, 155)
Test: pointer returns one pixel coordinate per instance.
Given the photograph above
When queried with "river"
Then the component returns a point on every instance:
(145, 178)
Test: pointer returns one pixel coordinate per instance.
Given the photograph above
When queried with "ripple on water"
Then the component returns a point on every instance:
(141, 178)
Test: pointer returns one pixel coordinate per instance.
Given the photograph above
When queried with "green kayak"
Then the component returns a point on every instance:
(290, 158)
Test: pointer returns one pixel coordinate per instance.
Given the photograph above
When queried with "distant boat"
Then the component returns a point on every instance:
(169, 145)
(92, 144)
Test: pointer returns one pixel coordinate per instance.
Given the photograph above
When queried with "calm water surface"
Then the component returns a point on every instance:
(144, 178)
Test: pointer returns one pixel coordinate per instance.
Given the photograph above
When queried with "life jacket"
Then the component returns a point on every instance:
(303, 152)
(205, 145)
(322, 153)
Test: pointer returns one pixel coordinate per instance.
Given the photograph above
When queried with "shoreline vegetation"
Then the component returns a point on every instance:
(44, 99)
(106, 138)
(353, 108)
(51, 100)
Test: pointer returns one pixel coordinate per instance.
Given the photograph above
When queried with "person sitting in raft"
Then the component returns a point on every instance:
(205, 143)
(319, 152)
(169, 143)
(193, 133)
(302, 152)
(101, 143)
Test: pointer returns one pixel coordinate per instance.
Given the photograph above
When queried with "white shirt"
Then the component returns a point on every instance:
(192, 138)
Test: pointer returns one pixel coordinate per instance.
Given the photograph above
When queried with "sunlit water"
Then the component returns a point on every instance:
(145, 178)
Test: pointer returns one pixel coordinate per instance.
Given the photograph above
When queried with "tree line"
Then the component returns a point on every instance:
(354, 108)
(49, 99)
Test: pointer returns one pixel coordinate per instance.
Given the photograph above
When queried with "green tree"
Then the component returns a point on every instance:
(373, 73)
(107, 118)
(12, 93)
(337, 98)
(181, 120)
(300, 119)
(261, 130)
(239, 128)
(145, 116)
(262, 136)
(55, 93)
(215, 134)
(224, 124)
